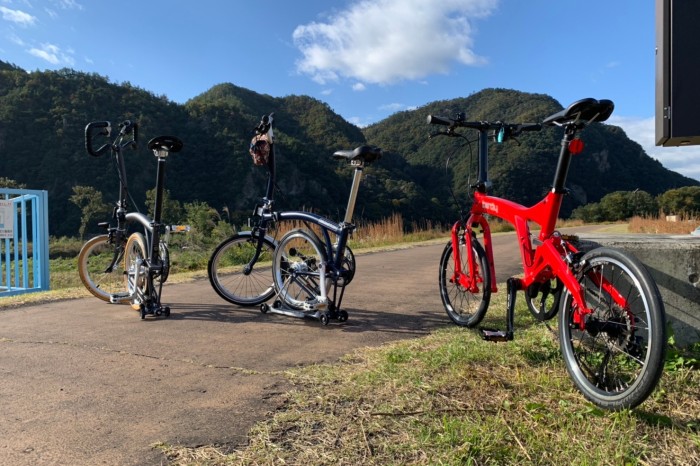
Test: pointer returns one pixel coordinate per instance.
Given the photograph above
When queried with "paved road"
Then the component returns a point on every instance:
(83, 382)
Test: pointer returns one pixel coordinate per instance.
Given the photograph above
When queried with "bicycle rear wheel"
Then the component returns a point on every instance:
(101, 268)
(232, 275)
(136, 269)
(465, 308)
(296, 269)
(618, 359)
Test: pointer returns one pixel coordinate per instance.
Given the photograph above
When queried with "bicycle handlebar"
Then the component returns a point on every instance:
(104, 128)
(505, 131)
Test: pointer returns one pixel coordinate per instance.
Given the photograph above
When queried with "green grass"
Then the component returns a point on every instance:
(451, 398)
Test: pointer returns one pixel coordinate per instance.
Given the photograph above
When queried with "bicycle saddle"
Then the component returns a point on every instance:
(585, 110)
(169, 143)
(367, 154)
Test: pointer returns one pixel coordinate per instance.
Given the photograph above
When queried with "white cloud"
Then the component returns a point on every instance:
(69, 5)
(16, 40)
(52, 54)
(684, 160)
(17, 16)
(358, 87)
(385, 41)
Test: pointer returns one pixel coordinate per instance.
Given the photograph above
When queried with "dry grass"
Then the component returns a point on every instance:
(661, 226)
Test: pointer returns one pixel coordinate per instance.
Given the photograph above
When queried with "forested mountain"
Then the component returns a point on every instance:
(43, 116)
(525, 171)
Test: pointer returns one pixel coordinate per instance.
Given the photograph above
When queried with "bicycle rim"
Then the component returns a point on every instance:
(465, 308)
(100, 269)
(296, 269)
(231, 276)
(617, 361)
(136, 270)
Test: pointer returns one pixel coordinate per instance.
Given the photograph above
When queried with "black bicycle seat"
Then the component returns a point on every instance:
(367, 154)
(584, 110)
(169, 143)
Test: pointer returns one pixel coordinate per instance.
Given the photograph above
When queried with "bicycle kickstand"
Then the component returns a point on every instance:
(489, 334)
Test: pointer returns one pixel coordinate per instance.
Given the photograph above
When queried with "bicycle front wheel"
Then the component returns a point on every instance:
(464, 307)
(296, 269)
(136, 269)
(101, 267)
(618, 359)
(235, 277)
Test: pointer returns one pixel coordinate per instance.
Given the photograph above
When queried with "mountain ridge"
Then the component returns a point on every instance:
(43, 115)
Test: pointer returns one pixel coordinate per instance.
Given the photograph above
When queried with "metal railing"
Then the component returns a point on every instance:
(24, 241)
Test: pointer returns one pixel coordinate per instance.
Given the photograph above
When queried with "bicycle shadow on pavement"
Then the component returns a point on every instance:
(360, 320)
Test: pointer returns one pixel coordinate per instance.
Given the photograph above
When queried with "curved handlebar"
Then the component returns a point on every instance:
(104, 128)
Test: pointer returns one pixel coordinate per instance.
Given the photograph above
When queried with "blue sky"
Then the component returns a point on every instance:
(367, 59)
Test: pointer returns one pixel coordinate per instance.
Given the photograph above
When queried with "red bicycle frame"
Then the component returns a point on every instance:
(549, 259)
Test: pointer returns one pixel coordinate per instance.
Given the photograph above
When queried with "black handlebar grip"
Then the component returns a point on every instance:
(88, 136)
(437, 120)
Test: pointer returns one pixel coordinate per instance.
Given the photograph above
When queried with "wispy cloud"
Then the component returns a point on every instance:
(68, 5)
(53, 54)
(684, 160)
(396, 107)
(385, 41)
(18, 17)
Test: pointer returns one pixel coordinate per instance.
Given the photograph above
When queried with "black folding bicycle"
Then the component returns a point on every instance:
(298, 271)
(118, 267)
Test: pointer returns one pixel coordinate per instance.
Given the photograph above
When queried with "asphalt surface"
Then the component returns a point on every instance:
(83, 382)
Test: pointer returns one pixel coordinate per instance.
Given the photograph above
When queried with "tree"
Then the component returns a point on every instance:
(172, 209)
(681, 201)
(643, 204)
(589, 213)
(201, 217)
(12, 184)
(89, 201)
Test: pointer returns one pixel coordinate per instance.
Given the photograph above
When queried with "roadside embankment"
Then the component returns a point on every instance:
(674, 263)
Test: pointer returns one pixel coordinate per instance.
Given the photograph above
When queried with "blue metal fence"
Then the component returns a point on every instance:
(24, 241)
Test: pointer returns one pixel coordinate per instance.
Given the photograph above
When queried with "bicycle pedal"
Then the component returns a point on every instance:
(492, 334)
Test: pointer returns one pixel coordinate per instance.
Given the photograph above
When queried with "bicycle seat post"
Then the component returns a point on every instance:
(358, 158)
(161, 146)
(357, 177)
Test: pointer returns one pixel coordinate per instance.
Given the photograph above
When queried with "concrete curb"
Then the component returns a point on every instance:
(674, 263)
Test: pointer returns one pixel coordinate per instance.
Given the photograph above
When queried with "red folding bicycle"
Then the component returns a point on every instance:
(611, 323)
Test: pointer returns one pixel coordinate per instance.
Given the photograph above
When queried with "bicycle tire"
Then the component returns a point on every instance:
(227, 275)
(136, 269)
(295, 269)
(463, 307)
(100, 270)
(617, 361)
